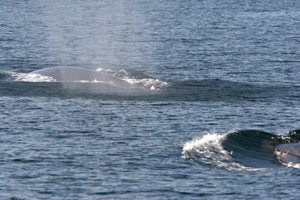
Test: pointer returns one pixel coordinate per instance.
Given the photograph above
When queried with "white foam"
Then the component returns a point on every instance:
(294, 165)
(152, 84)
(30, 77)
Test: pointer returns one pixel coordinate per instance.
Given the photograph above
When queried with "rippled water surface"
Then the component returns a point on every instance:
(216, 87)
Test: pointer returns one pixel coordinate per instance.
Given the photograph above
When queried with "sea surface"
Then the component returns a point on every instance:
(215, 86)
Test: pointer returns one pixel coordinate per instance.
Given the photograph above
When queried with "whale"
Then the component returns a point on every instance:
(71, 74)
(288, 153)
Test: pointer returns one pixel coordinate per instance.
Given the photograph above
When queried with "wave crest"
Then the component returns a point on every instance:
(208, 150)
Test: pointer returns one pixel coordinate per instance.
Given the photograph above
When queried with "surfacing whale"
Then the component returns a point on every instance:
(288, 153)
(70, 74)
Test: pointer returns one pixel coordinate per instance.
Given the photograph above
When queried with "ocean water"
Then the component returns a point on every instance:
(217, 88)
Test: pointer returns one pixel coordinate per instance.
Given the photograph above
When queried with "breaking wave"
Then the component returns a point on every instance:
(238, 150)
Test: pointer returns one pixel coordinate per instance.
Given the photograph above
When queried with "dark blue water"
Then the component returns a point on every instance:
(226, 89)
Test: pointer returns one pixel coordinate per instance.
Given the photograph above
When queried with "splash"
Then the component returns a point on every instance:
(27, 77)
(151, 84)
(136, 78)
(279, 155)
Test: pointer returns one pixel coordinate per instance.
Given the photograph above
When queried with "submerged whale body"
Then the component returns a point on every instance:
(288, 153)
(70, 74)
